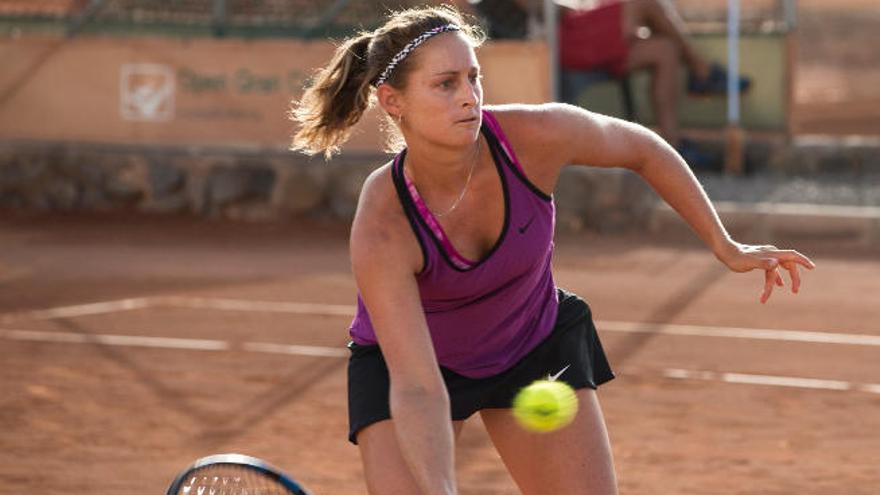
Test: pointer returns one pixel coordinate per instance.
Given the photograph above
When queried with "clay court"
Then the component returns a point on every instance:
(131, 347)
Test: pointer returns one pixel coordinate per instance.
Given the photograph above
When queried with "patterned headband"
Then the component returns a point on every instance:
(412, 45)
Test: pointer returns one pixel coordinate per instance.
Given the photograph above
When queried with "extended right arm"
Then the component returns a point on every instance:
(385, 258)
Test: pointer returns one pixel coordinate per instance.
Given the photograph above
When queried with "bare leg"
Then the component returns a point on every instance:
(385, 469)
(575, 460)
(661, 56)
(664, 21)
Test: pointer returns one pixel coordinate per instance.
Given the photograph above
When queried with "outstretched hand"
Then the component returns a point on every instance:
(744, 257)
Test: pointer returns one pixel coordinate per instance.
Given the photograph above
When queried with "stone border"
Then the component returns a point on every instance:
(256, 184)
(250, 184)
(253, 185)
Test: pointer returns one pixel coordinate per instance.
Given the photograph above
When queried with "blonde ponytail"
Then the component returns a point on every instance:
(335, 101)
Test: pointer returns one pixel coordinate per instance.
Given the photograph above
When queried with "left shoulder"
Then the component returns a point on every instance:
(533, 130)
(558, 133)
(533, 122)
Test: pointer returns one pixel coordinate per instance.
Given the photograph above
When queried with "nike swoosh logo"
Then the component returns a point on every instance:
(553, 378)
(524, 228)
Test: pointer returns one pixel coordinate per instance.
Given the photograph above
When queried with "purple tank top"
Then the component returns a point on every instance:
(483, 315)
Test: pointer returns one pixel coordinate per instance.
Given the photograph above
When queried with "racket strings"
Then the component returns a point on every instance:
(227, 479)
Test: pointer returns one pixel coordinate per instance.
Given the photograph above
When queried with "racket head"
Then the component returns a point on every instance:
(234, 474)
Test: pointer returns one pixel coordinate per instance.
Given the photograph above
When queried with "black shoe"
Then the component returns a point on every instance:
(716, 83)
(697, 159)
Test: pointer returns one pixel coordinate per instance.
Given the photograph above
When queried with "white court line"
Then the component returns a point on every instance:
(181, 302)
(297, 350)
(348, 311)
(117, 340)
(870, 387)
(258, 306)
(319, 351)
(612, 326)
(170, 343)
(740, 333)
(81, 309)
(769, 380)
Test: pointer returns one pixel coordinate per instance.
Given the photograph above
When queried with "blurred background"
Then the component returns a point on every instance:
(174, 282)
(179, 106)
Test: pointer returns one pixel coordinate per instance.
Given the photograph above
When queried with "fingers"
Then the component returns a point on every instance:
(770, 277)
(783, 255)
(789, 259)
(770, 258)
(795, 276)
(790, 255)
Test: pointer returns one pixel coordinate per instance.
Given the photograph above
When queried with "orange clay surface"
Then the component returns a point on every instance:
(95, 417)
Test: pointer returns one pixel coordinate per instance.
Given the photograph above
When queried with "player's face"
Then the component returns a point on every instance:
(444, 95)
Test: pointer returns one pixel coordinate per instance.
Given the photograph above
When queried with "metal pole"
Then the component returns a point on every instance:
(735, 137)
(790, 15)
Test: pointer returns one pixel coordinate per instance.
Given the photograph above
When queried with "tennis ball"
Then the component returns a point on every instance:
(545, 406)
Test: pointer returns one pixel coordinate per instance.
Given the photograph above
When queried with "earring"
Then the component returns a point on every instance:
(399, 120)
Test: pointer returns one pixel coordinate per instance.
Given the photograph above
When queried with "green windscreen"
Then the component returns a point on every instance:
(764, 107)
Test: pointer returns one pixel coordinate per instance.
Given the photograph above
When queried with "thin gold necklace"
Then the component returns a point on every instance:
(466, 183)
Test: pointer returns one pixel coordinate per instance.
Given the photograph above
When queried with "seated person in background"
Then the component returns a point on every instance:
(603, 35)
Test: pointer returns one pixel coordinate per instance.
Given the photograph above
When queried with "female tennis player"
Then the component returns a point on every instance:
(451, 247)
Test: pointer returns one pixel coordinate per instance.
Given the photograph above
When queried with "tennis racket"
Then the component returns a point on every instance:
(233, 474)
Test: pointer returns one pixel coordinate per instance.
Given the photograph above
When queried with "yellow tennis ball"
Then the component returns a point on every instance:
(545, 406)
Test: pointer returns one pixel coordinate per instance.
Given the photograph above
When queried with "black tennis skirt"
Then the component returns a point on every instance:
(573, 346)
